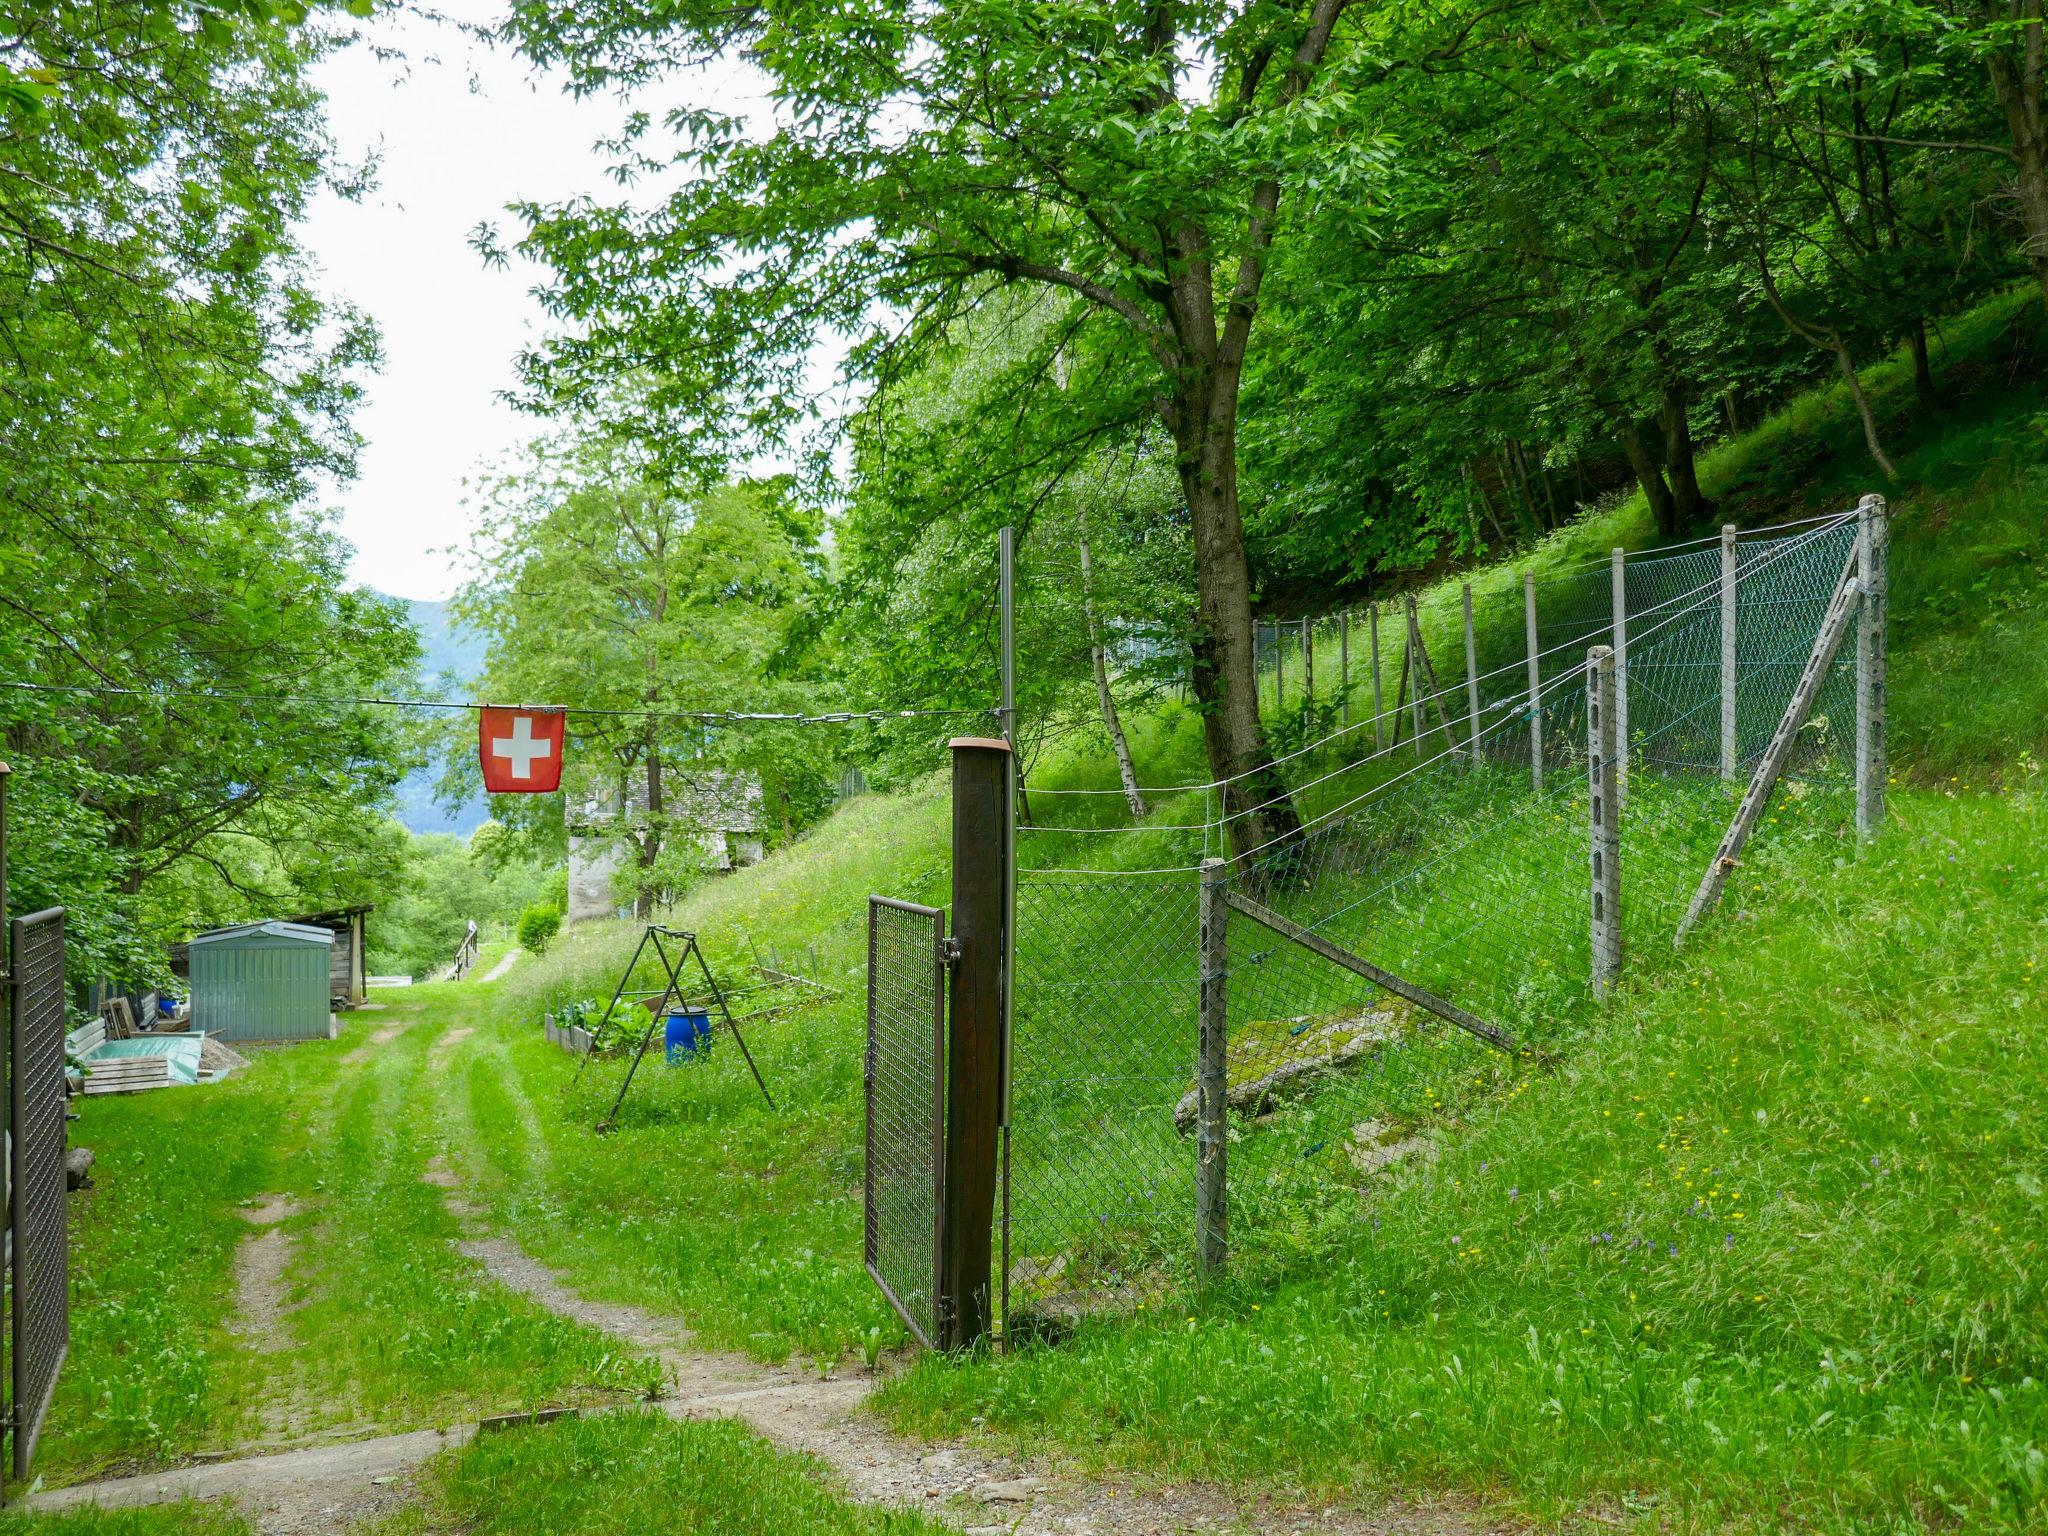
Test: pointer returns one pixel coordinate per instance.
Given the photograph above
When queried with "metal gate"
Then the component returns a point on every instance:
(905, 1080)
(41, 1311)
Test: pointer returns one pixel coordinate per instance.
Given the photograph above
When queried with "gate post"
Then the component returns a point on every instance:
(1212, 1079)
(1605, 817)
(1872, 537)
(974, 1038)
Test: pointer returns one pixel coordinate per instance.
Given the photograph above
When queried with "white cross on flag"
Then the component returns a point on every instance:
(521, 750)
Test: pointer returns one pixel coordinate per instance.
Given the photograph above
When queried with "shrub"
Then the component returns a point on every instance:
(538, 926)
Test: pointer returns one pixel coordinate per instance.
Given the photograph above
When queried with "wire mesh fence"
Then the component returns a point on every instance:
(905, 1072)
(1453, 856)
(41, 1295)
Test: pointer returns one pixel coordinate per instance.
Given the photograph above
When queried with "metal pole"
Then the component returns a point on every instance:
(1873, 537)
(1730, 738)
(1379, 722)
(1472, 684)
(974, 1055)
(1606, 818)
(1344, 664)
(1308, 665)
(1411, 655)
(1006, 582)
(1621, 674)
(1535, 682)
(1279, 668)
(1212, 1135)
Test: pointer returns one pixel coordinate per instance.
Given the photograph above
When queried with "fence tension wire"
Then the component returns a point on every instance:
(1449, 1012)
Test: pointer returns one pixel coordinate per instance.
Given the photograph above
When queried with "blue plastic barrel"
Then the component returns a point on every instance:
(689, 1031)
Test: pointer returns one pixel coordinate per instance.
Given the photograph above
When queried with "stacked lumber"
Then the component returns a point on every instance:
(127, 1074)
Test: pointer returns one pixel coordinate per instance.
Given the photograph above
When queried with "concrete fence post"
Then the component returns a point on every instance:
(1730, 734)
(1605, 816)
(1279, 668)
(1621, 739)
(1472, 685)
(1535, 682)
(1873, 539)
(1212, 1134)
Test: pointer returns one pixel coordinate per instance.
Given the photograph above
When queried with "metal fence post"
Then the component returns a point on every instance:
(1279, 668)
(1212, 1138)
(1344, 663)
(1605, 841)
(1535, 682)
(1379, 723)
(974, 1046)
(1873, 538)
(1308, 664)
(1730, 740)
(1411, 655)
(1472, 684)
(1620, 559)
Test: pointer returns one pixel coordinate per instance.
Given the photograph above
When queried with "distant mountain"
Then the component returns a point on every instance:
(451, 659)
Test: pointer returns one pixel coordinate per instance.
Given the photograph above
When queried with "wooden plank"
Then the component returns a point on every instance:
(1848, 590)
(1449, 1012)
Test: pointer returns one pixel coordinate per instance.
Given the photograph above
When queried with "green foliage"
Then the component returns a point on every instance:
(537, 928)
(441, 885)
(174, 388)
(601, 586)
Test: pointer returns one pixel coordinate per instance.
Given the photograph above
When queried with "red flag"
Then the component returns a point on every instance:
(521, 750)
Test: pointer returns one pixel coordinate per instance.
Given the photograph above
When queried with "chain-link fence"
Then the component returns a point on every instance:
(1442, 875)
(905, 1072)
(41, 1299)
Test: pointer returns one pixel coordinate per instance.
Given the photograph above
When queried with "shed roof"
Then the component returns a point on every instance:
(274, 928)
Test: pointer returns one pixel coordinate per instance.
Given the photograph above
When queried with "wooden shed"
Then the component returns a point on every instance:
(349, 967)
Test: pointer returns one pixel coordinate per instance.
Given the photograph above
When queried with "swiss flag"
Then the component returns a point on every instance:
(521, 750)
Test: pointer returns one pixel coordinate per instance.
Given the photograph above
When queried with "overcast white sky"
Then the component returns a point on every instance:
(463, 130)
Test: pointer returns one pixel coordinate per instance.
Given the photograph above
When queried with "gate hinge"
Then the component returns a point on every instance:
(949, 951)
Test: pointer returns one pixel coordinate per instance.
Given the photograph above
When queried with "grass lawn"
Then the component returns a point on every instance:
(622, 1474)
(383, 1322)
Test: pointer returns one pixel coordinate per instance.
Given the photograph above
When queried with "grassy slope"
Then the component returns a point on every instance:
(747, 1220)
(1571, 1356)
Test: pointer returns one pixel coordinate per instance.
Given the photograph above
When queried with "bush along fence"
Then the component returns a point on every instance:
(1223, 1052)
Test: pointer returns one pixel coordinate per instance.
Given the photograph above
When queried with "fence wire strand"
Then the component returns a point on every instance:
(1460, 866)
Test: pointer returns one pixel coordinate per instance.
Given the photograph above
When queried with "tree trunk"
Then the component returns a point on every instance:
(1926, 393)
(650, 840)
(1110, 719)
(1690, 506)
(1649, 473)
(1849, 376)
(1224, 671)
(2019, 94)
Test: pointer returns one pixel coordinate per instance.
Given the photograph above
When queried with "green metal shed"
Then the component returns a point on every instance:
(262, 981)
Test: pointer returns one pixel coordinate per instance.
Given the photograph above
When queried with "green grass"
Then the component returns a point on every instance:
(621, 1473)
(157, 1520)
(1766, 1250)
(389, 1325)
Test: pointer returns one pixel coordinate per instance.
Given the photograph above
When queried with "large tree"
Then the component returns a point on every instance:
(172, 390)
(1137, 156)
